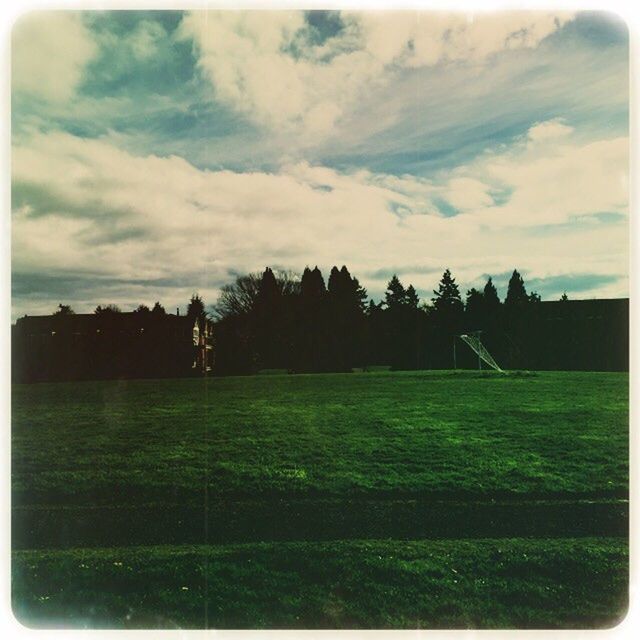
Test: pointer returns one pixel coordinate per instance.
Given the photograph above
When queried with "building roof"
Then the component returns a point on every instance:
(85, 322)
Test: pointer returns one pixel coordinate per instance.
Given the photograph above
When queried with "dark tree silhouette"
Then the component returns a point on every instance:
(158, 309)
(447, 318)
(195, 308)
(238, 298)
(311, 323)
(334, 283)
(412, 299)
(475, 309)
(64, 310)
(490, 293)
(516, 291)
(312, 285)
(564, 297)
(446, 300)
(395, 296)
(142, 308)
(110, 308)
(396, 327)
(346, 303)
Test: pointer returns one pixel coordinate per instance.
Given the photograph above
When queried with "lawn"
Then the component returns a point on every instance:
(308, 470)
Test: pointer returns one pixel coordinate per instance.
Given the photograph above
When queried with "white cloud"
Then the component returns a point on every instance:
(468, 193)
(49, 52)
(248, 57)
(557, 180)
(84, 206)
(555, 128)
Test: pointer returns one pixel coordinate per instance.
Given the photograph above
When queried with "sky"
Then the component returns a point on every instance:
(157, 154)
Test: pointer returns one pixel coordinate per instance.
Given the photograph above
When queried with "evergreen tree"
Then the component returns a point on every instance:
(346, 302)
(269, 330)
(195, 309)
(64, 310)
(373, 308)
(310, 328)
(268, 292)
(333, 286)
(142, 308)
(474, 309)
(306, 283)
(158, 309)
(109, 308)
(318, 282)
(491, 295)
(521, 324)
(516, 291)
(359, 295)
(447, 297)
(411, 297)
(395, 295)
(447, 318)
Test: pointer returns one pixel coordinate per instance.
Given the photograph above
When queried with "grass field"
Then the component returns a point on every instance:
(323, 500)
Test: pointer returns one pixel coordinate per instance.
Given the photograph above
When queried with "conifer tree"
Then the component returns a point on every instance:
(490, 294)
(448, 309)
(516, 291)
(395, 295)
(64, 310)
(411, 297)
(195, 308)
(448, 295)
(491, 306)
(474, 308)
(333, 286)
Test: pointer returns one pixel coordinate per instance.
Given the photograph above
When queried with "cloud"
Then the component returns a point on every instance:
(467, 193)
(144, 41)
(49, 52)
(86, 207)
(268, 66)
(547, 178)
(555, 128)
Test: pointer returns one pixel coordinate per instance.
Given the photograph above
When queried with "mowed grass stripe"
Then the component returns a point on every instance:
(487, 583)
(311, 519)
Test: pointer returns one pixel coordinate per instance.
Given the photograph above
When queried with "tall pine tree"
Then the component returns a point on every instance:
(516, 291)
(446, 300)
(395, 295)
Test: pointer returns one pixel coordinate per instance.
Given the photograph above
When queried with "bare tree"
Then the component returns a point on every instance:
(239, 297)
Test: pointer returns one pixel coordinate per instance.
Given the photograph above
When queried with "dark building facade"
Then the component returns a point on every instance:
(569, 335)
(587, 335)
(110, 345)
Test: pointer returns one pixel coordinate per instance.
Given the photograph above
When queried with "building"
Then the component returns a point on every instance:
(110, 345)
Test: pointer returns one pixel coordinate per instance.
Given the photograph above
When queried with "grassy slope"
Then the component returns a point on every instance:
(555, 433)
(347, 584)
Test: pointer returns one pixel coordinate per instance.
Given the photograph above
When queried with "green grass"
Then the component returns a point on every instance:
(555, 433)
(346, 584)
(373, 499)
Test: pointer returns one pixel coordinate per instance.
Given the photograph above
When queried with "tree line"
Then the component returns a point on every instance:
(283, 321)
(276, 320)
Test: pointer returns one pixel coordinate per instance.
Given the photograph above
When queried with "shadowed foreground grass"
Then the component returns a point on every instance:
(484, 583)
